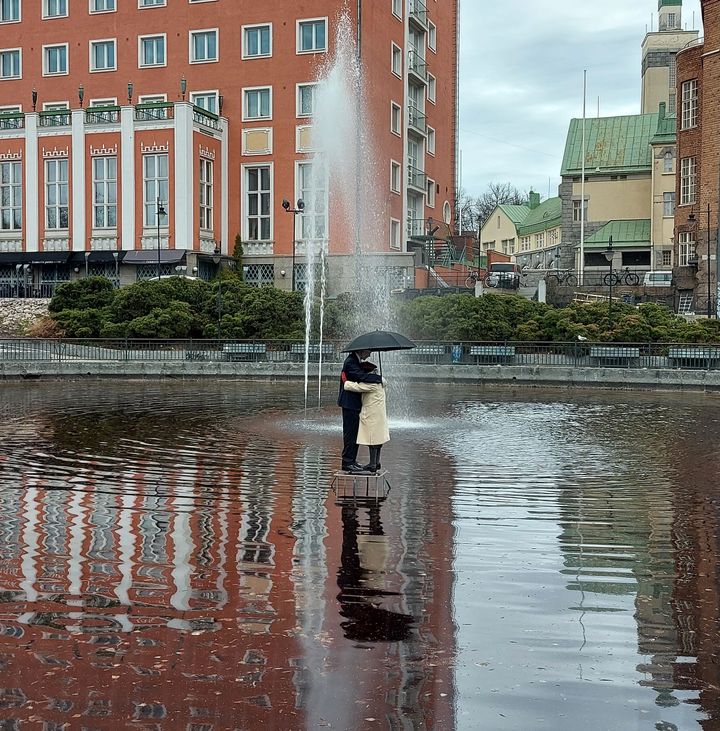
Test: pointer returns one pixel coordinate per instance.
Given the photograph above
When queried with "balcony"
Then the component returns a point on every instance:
(417, 120)
(417, 12)
(417, 179)
(417, 66)
(55, 118)
(102, 115)
(206, 119)
(154, 111)
(12, 120)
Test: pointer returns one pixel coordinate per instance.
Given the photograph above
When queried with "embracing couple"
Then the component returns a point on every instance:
(362, 399)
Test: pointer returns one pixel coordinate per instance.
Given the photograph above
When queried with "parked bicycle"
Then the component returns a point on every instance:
(562, 277)
(472, 279)
(625, 277)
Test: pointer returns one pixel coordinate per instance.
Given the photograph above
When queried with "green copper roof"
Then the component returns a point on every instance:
(613, 145)
(517, 214)
(666, 132)
(625, 234)
(547, 215)
(669, 3)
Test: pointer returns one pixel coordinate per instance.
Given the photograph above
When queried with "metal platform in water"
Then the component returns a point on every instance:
(360, 489)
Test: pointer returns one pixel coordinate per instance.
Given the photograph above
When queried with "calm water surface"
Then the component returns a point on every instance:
(173, 556)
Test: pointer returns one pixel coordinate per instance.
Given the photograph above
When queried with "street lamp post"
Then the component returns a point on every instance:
(609, 255)
(299, 208)
(160, 211)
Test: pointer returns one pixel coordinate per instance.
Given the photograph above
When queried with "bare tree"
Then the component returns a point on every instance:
(475, 211)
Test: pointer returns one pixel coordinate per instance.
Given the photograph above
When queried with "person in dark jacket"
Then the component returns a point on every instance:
(351, 405)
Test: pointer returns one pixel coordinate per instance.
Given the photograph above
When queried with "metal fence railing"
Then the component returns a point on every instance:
(502, 353)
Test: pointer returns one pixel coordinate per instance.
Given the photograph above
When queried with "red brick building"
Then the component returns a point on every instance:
(107, 108)
(698, 176)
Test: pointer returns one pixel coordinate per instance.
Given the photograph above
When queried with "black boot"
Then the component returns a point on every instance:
(374, 465)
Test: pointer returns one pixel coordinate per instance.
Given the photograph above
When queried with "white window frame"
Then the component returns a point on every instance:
(431, 89)
(152, 36)
(309, 210)
(396, 60)
(244, 29)
(298, 99)
(20, 63)
(92, 11)
(55, 106)
(432, 37)
(431, 193)
(143, 4)
(47, 16)
(668, 163)
(104, 69)
(431, 141)
(303, 21)
(150, 98)
(206, 180)
(13, 20)
(687, 248)
(161, 191)
(396, 110)
(577, 208)
(395, 177)
(247, 89)
(246, 203)
(688, 180)
(197, 31)
(395, 226)
(45, 49)
(668, 204)
(108, 185)
(396, 8)
(58, 185)
(215, 93)
(689, 104)
(15, 186)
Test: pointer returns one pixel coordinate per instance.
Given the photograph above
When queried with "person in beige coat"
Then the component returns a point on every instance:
(374, 430)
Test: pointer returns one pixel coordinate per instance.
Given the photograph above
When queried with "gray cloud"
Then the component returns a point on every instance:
(521, 69)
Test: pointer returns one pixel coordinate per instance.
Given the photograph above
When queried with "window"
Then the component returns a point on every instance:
(257, 41)
(576, 211)
(54, 8)
(312, 35)
(686, 249)
(525, 243)
(395, 119)
(102, 6)
(207, 100)
(206, 195)
(257, 103)
(56, 194)
(102, 55)
(431, 88)
(10, 196)
(540, 240)
(203, 46)
(305, 100)
(395, 176)
(397, 8)
(150, 3)
(666, 258)
(688, 170)
(396, 60)
(10, 64)
(668, 159)
(155, 187)
(689, 104)
(508, 246)
(55, 60)
(430, 141)
(432, 36)
(151, 50)
(394, 233)
(553, 237)
(104, 192)
(257, 203)
(312, 188)
(9, 11)
(669, 204)
(671, 21)
(431, 193)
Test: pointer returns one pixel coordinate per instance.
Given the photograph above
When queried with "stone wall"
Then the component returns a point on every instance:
(17, 314)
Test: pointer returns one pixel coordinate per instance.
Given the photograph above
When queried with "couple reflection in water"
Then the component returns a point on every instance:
(361, 578)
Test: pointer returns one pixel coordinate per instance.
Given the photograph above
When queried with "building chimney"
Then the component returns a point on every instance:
(661, 112)
(534, 200)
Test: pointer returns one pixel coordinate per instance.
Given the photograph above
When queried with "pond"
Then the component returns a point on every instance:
(175, 555)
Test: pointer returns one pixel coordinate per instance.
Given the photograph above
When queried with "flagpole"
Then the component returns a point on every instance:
(581, 268)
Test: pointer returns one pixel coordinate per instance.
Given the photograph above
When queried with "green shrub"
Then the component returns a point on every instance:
(83, 294)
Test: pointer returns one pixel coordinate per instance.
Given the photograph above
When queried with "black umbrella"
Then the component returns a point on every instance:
(380, 341)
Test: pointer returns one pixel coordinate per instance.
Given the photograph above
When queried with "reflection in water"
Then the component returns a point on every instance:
(171, 558)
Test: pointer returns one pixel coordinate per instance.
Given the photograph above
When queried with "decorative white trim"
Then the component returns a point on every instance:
(258, 248)
(55, 152)
(207, 153)
(102, 151)
(103, 243)
(207, 245)
(154, 147)
(151, 242)
(10, 155)
(301, 246)
(56, 244)
(298, 135)
(264, 151)
(11, 246)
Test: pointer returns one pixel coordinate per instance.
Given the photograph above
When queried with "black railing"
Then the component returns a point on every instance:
(12, 120)
(152, 111)
(55, 118)
(102, 115)
(208, 119)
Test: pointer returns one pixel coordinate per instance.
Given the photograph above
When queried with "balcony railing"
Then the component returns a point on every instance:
(416, 228)
(417, 178)
(153, 111)
(55, 118)
(207, 119)
(417, 120)
(102, 115)
(12, 120)
(417, 65)
(418, 12)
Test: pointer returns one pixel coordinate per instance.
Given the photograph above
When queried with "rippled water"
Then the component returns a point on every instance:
(172, 556)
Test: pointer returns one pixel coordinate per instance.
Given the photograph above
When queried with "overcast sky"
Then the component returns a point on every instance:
(521, 71)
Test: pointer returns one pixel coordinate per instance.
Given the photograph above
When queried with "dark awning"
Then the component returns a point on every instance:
(97, 256)
(150, 256)
(36, 257)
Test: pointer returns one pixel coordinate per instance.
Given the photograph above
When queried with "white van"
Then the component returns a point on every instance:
(658, 279)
